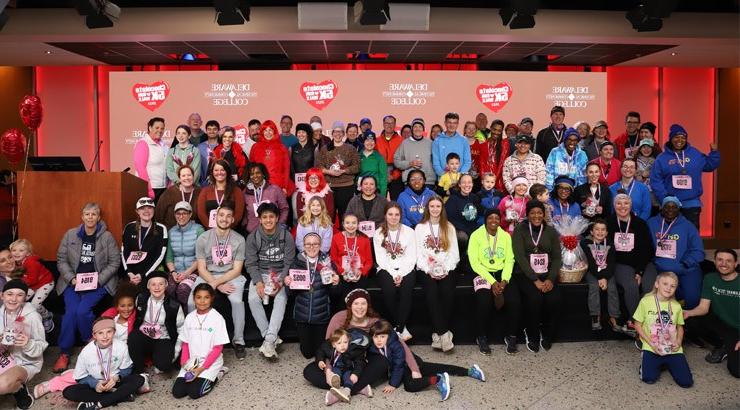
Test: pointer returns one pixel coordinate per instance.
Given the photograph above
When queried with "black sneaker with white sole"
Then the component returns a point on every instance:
(532, 345)
(545, 343)
(23, 398)
(239, 351)
(510, 342)
(716, 356)
(483, 346)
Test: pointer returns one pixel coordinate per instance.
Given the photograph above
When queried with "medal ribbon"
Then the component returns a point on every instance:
(539, 236)
(103, 372)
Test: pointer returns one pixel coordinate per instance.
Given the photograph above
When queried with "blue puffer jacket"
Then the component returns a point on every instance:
(396, 357)
(312, 306)
(181, 247)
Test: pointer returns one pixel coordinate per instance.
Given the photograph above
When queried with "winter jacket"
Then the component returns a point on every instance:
(427, 252)
(524, 247)
(269, 253)
(377, 209)
(353, 360)
(312, 306)
(164, 212)
(344, 157)
(611, 171)
(397, 260)
(689, 246)
(666, 166)
(181, 246)
(623, 142)
(583, 197)
(207, 203)
(488, 163)
(177, 157)
(479, 254)
(30, 356)
(107, 258)
(640, 194)
(560, 163)
(571, 209)
(532, 168)
(154, 243)
(396, 357)
(374, 164)
(269, 193)
(412, 205)
(36, 275)
(411, 149)
(592, 148)
(548, 139)
(339, 245)
(490, 199)
(235, 156)
(589, 248)
(445, 144)
(302, 158)
(643, 251)
(464, 211)
(387, 149)
(518, 205)
(275, 157)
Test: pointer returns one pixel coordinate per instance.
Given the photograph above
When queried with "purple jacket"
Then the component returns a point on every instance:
(270, 193)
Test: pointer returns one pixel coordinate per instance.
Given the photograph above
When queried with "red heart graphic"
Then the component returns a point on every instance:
(240, 134)
(494, 97)
(151, 96)
(319, 95)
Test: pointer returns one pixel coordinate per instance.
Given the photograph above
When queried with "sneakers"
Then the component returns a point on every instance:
(61, 364)
(532, 345)
(221, 373)
(446, 341)
(23, 399)
(406, 335)
(545, 342)
(436, 342)
(716, 356)
(477, 373)
(595, 323)
(267, 349)
(330, 398)
(638, 344)
(40, 390)
(510, 342)
(483, 345)
(48, 324)
(443, 385)
(341, 393)
(240, 352)
(88, 406)
(333, 380)
(145, 388)
(366, 391)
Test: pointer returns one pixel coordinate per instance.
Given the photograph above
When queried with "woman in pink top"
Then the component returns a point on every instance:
(149, 158)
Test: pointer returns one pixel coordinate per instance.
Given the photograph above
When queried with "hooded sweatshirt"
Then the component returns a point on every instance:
(480, 249)
(560, 163)
(409, 150)
(274, 156)
(269, 253)
(178, 156)
(445, 144)
(640, 194)
(106, 259)
(689, 247)
(30, 356)
(412, 205)
(489, 163)
(667, 165)
(374, 164)
(531, 167)
(464, 211)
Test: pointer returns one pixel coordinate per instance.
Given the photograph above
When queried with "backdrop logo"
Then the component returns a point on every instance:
(240, 132)
(319, 95)
(570, 96)
(151, 96)
(495, 97)
(230, 94)
(408, 93)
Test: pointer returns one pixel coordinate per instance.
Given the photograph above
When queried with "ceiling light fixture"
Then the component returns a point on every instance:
(232, 12)
(519, 14)
(99, 13)
(649, 14)
(373, 12)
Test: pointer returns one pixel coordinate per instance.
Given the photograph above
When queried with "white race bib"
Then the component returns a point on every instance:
(666, 249)
(300, 179)
(212, 218)
(86, 281)
(135, 257)
(480, 283)
(682, 181)
(367, 227)
(624, 242)
(299, 279)
(539, 262)
(222, 259)
(7, 361)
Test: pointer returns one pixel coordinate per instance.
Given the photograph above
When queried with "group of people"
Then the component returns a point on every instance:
(319, 219)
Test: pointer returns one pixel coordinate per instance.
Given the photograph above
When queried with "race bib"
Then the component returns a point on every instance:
(222, 258)
(300, 179)
(624, 242)
(257, 205)
(562, 168)
(152, 330)
(629, 152)
(6, 361)
(299, 279)
(511, 215)
(212, 218)
(480, 283)
(666, 249)
(86, 281)
(539, 262)
(135, 257)
(367, 227)
(682, 181)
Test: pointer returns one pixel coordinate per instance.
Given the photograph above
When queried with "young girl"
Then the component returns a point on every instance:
(315, 186)
(351, 252)
(203, 338)
(602, 260)
(343, 362)
(123, 315)
(659, 322)
(437, 255)
(184, 153)
(513, 208)
(395, 254)
(40, 281)
(103, 371)
(316, 219)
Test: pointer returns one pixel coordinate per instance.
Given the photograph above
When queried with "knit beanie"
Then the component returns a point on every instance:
(356, 294)
(648, 126)
(677, 129)
(15, 284)
(571, 131)
(304, 127)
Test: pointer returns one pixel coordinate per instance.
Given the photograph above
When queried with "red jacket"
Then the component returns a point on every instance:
(240, 158)
(36, 274)
(611, 172)
(339, 249)
(274, 156)
(488, 164)
(112, 312)
(620, 145)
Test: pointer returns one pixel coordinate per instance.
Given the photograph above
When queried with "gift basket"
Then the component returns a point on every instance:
(574, 260)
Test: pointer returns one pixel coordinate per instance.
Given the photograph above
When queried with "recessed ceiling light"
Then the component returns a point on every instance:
(48, 52)
(673, 53)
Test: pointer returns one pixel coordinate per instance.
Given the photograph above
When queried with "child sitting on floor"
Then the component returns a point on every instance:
(343, 362)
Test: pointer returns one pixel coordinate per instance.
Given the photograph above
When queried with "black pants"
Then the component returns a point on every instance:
(375, 372)
(140, 346)
(157, 193)
(440, 294)
(310, 338)
(395, 188)
(541, 308)
(693, 215)
(195, 389)
(512, 308)
(397, 299)
(712, 329)
(427, 370)
(462, 243)
(342, 195)
(124, 388)
(339, 292)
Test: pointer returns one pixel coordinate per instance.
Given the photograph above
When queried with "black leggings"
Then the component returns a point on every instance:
(375, 372)
(712, 329)
(541, 307)
(310, 338)
(440, 294)
(339, 292)
(397, 299)
(140, 346)
(512, 308)
(195, 389)
(124, 388)
(428, 370)
(342, 195)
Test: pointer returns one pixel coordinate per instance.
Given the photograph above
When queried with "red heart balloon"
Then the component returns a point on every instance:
(31, 111)
(494, 97)
(319, 95)
(13, 145)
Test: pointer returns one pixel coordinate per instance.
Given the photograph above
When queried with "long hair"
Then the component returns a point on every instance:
(388, 206)
(443, 223)
(230, 184)
(307, 217)
(499, 141)
(370, 313)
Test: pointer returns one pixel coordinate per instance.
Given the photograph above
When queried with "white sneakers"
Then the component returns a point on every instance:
(446, 341)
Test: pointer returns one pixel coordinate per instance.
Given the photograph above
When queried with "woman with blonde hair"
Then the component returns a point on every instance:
(315, 219)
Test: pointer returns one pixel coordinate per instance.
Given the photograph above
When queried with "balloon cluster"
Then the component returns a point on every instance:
(13, 142)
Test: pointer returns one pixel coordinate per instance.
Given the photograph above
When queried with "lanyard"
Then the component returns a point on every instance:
(605, 168)
(539, 236)
(560, 204)
(514, 206)
(419, 204)
(140, 238)
(200, 322)
(5, 317)
(631, 186)
(594, 193)
(492, 249)
(103, 372)
(258, 193)
(190, 198)
(219, 201)
(663, 233)
(435, 238)
(663, 326)
(334, 360)
(221, 249)
(351, 252)
(159, 311)
(681, 161)
(394, 245)
(619, 226)
(558, 134)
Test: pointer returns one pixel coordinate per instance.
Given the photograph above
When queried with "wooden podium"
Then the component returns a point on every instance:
(52, 203)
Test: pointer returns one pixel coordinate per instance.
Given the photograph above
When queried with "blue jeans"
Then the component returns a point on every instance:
(676, 363)
(78, 315)
(344, 374)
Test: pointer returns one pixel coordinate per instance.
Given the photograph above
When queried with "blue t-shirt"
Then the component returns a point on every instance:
(288, 140)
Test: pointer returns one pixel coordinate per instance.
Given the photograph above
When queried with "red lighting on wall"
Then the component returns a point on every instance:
(463, 56)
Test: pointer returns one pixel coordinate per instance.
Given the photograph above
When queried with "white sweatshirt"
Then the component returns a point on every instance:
(425, 247)
(405, 253)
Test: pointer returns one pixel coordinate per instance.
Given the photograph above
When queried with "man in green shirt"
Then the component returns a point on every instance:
(717, 318)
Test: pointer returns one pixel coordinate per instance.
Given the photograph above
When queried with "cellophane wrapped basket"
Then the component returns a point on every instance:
(574, 260)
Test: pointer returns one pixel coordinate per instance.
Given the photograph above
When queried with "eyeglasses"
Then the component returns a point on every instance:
(416, 179)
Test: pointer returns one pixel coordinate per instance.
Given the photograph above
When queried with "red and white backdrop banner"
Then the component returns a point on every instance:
(235, 97)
